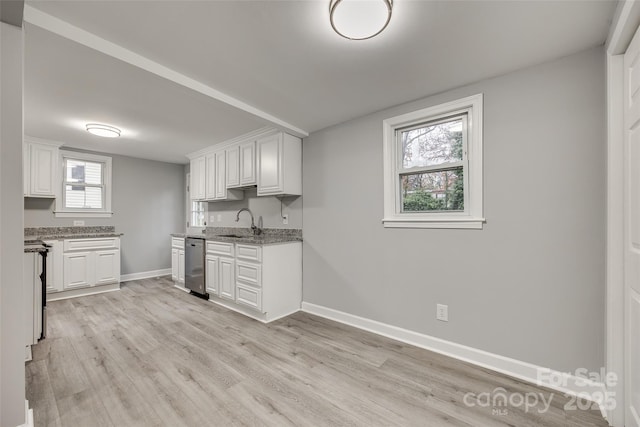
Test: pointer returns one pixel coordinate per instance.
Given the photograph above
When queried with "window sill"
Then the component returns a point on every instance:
(453, 223)
(73, 214)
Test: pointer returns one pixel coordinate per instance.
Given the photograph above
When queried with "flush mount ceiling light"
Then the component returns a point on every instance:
(360, 19)
(105, 131)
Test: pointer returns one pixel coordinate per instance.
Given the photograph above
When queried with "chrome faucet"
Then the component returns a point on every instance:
(256, 230)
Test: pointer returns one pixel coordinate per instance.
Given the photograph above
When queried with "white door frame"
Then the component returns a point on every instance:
(625, 24)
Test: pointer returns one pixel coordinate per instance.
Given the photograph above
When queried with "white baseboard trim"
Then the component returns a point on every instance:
(145, 275)
(83, 292)
(560, 381)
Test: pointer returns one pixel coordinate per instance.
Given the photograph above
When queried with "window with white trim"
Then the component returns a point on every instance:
(196, 211)
(86, 185)
(433, 167)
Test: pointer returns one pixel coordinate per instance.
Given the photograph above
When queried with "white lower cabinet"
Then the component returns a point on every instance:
(77, 270)
(226, 274)
(181, 266)
(54, 266)
(174, 264)
(177, 260)
(89, 262)
(107, 266)
(263, 281)
(212, 274)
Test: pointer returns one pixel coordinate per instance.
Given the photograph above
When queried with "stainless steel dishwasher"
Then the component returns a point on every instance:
(194, 274)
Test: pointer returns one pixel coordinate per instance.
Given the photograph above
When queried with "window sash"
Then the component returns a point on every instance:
(65, 183)
(464, 163)
(195, 210)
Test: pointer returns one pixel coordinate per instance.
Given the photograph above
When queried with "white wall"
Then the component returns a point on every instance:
(268, 207)
(12, 345)
(148, 205)
(530, 285)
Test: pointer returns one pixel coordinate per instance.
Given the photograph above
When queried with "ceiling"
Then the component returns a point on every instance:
(280, 58)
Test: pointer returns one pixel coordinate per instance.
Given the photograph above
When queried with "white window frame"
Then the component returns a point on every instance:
(189, 204)
(105, 212)
(472, 216)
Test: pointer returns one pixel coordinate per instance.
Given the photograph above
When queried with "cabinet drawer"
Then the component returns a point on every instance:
(249, 273)
(88, 244)
(249, 252)
(220, 248)
(249, 296)
(177, 242)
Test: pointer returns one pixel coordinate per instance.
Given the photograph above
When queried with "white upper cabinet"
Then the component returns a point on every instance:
(241, 165)
(210, 190)
(197, 187)
(221, 192)
(270, 160)
(40, 162)
(279, 165)
(248, 164)
(233, 166)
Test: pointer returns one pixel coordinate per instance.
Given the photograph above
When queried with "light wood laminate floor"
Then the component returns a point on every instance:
(152, 355)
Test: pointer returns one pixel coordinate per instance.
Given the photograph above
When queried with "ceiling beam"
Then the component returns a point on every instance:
(64, 29)
(11, 12)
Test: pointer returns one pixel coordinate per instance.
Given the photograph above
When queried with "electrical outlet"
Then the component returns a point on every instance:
(212, 219)
(78, 223)
(285, 219)
(442, 312)
(219, 217)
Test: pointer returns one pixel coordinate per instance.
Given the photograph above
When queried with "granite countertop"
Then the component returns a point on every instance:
(269, 236)
(32, 249)
(59, 233)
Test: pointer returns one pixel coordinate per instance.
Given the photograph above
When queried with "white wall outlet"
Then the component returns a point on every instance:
(285, 219)
(78, 223)
(442, 312)
(219, 217)
(212, 219)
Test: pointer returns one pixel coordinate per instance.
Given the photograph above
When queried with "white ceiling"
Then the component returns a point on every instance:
(280, 57)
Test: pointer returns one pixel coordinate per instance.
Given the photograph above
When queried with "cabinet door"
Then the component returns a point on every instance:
(233, 166)
(174, 264)
(198, 184)
(107, 267)
(221, 178)
(227, 282)
(270, 172)
(180, 266)
(210, 190)
(248, 163)
(211, 274)
(78, 269)
(54, 267)
(42, 170)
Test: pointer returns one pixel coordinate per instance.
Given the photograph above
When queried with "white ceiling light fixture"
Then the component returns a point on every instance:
(360, 19)
(105, 131)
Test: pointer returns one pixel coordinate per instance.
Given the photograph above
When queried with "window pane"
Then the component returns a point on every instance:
(198, 214)
(433, 191)
(81, 197)
(432, 144)
(75, 171)
(84, 172)
(93, 173)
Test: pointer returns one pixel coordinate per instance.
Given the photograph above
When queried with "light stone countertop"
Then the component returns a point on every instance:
(269, 236)
(60, 233)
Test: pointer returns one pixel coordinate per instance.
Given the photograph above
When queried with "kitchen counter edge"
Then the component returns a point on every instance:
(268, 240)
